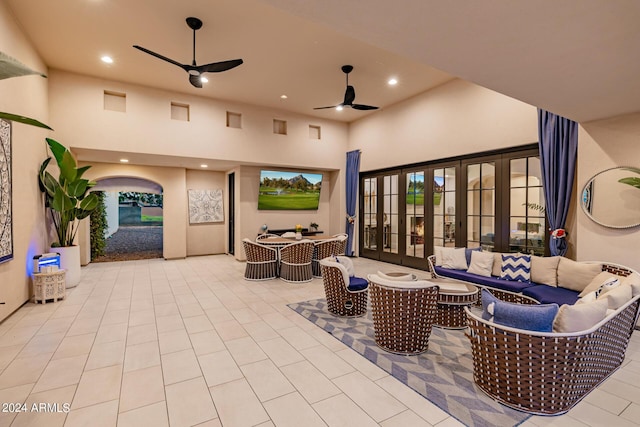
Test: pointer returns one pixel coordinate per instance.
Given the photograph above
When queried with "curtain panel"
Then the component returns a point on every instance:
(353, 172)
(558, 142)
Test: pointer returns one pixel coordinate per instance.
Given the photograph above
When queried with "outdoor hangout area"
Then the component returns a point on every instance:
(275, 213)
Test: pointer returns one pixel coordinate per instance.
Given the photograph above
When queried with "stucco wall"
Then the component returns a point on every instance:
(27, 96)
(604, 144)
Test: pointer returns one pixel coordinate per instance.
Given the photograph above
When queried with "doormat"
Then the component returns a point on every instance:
(443, 374)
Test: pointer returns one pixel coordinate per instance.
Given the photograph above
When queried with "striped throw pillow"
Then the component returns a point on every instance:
(516, 268)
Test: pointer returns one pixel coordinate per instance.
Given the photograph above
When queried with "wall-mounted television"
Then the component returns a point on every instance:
(289, 190)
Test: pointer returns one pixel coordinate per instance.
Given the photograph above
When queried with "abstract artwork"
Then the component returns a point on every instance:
(6, 220)
(205, 206)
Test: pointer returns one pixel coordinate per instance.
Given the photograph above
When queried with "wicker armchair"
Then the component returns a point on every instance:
(346, 297)
(295, 262)
(262, 261)
(547, 373)
(403, 313)
(321, 250)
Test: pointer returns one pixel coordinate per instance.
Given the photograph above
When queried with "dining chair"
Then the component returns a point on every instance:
(295, 262)
(321, 250)
(265, 236)
(342, 243)
(262, 261)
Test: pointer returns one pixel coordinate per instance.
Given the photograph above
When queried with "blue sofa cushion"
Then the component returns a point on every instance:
(548, 294)
(532, 317)
(492, 282)
(357, 284)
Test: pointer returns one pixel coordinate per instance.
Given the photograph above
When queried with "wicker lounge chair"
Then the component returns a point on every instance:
(321, 250)
(262, 261)
(342, 243)
(547, 373)
(343, 298)
(295, 262)
(403, 313)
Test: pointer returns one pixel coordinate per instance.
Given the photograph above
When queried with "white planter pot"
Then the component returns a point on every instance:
(70, 261)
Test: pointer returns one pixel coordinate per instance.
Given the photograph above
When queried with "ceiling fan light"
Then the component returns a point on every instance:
(203, 79)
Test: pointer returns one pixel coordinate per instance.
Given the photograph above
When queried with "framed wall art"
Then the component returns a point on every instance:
(6, 217)
(205, 206)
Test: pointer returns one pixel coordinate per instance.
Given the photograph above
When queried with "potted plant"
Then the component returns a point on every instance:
(68, 200)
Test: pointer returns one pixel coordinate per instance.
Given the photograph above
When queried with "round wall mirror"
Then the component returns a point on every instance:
(612, 197)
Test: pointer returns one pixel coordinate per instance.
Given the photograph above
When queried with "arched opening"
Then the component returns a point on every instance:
(133, 220)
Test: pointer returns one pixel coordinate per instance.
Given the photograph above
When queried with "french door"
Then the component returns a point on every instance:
(493, 201)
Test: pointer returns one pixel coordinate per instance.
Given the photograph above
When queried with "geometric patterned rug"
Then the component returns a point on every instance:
(443, 374)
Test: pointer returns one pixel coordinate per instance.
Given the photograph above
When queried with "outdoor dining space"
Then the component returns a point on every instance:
(289, 257)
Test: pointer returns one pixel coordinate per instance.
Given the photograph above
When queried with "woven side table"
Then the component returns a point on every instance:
(453, 297)
(48, 286)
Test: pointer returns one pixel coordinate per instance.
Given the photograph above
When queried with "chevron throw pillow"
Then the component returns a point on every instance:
(516, 268)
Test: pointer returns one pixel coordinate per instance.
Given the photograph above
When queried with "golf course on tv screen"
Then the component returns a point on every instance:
(289, 190)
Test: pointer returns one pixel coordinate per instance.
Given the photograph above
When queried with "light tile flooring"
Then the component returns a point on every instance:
(189, 342)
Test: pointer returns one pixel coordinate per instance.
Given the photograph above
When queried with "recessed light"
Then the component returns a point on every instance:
(204, 166)
(392, 82)
(107, 59)
(283, 96)
(339, 108)
(124, 160)
(203, 79)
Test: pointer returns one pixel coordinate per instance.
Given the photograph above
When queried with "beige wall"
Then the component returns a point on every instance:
(26, 96)
(249, 219)
(604, 144)
(206, 239)
(175, 219)
(455, 118)
(146, 127)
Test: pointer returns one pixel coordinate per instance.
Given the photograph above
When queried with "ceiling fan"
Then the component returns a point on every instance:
(196, 71)
(349, 95)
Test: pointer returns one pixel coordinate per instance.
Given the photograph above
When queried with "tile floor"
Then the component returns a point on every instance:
(189, 342)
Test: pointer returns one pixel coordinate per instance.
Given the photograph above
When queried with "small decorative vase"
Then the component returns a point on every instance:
(298, 235)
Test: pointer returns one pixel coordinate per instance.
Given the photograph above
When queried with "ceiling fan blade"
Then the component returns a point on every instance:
(349, 95)
(324, 108)
(217, 67)
(164, 58)
(195, 80)
(363, 107)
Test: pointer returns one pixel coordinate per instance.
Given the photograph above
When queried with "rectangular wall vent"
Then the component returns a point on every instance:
(115, 101)
(180, 111)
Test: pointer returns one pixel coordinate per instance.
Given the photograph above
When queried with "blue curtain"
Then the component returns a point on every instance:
(353, 171)
(558, 141)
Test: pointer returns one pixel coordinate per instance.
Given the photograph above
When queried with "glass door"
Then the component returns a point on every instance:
(391, 220)
(369, 224)
(415, 219)
(481, 205)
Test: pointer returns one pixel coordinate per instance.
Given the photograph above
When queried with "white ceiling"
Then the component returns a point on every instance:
(577, 58)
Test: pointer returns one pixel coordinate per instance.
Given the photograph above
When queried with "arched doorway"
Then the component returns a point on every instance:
(133, 218)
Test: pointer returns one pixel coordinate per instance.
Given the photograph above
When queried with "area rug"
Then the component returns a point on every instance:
(443, 374)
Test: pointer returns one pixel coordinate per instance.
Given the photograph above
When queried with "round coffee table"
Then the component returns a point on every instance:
(453, 297)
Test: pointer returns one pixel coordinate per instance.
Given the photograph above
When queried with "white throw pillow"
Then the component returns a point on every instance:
(454, 258)
(437, 251)
(617, 297)
(544, 270)
(481, 263)
(579, 317)
(595, 284)
(633, 280)
(497, 264)
(576, 275)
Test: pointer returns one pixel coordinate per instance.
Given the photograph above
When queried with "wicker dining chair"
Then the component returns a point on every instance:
(265, 236)
(321, 250)
(295, 262)
(346, 294)
(403, 313)
(342, 243)
(262, 261)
